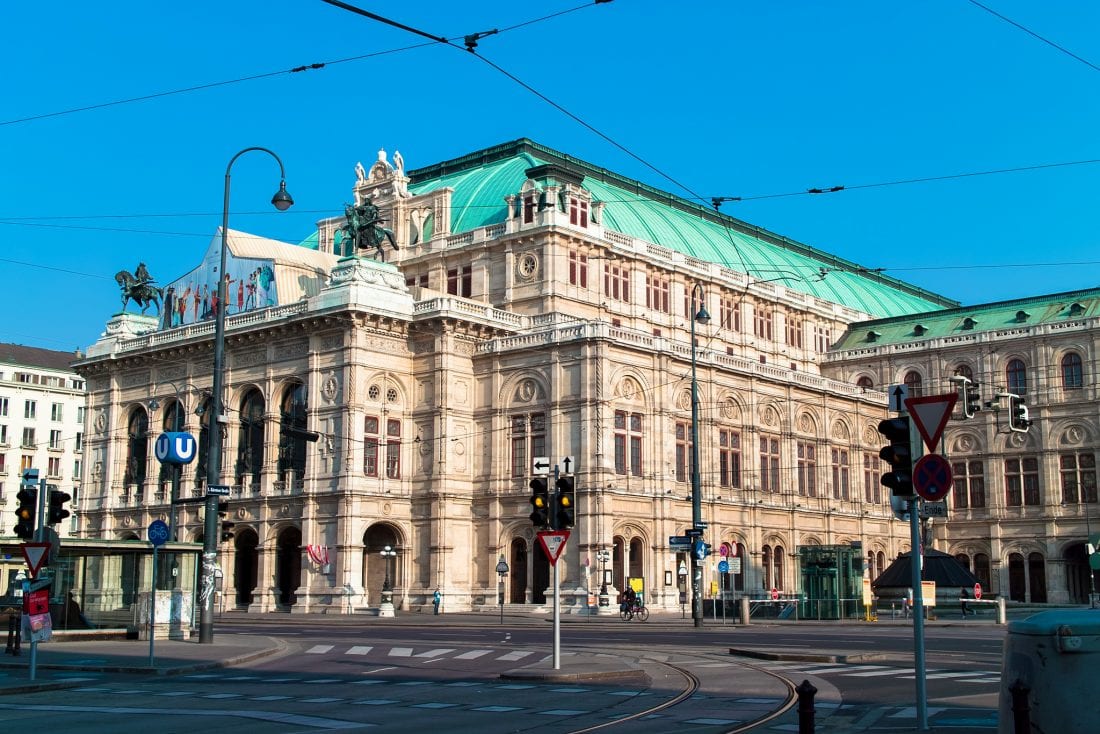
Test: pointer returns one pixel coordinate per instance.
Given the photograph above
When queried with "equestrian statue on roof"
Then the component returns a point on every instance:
(139, 288)
(364, 227)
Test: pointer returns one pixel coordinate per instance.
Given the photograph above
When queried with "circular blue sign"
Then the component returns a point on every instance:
(723, 567)
(158, 532)
(932, 477)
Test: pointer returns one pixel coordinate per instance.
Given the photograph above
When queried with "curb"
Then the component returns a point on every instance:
(808, 657)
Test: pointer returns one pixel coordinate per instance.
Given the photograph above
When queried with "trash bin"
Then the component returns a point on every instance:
(1055, 655)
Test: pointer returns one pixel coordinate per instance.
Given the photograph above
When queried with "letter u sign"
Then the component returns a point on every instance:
(175, 448)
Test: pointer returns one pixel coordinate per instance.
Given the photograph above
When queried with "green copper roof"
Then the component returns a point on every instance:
(998, 316)
(482, 179)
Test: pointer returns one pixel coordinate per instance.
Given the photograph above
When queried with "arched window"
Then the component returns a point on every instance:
(914, 382)
(777, 563)
(766, 563)
(865, 383)
(1072, 375)
(963, 370)
(1016, 376)
(250, 439)
(173, 421)
(137, 450)
(292, 432)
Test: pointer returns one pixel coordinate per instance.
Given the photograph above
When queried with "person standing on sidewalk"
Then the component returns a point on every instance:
(963, 596)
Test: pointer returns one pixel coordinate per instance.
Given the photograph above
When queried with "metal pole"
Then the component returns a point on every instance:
(696, 499)
(1088, 564)
(152, 606)
(918, 616)
(557, 605)
(213, 462)
(500, 593)
(40, 536)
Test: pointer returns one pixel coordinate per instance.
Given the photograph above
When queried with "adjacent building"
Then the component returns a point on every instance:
(531, 305)
(1024, 502)
(41, 424)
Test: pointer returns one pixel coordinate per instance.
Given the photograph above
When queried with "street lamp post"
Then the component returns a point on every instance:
(385, 605)
(282, 202)
(502, 571)
(701, 316)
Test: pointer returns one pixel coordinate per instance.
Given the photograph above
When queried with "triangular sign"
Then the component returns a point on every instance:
(930, 414)
(35, 555)
(553, 543)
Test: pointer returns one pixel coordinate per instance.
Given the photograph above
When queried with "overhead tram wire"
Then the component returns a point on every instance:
(471, 43)
(264, 75)
(1033, 34)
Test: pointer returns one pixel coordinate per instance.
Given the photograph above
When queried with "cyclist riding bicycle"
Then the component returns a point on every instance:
(630, 600)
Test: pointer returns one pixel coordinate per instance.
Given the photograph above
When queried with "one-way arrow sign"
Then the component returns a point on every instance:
(541, 465)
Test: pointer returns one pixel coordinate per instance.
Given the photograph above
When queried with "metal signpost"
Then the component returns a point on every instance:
(158, 535)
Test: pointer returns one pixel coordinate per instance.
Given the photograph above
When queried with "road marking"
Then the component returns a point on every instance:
(497, 709)
(323, 680)
(359, 650)
(876, 673)
(321, 700)
(712, 722)
(434, 705)
(561, 712)
(435, 653)
(517, 655)
(937, 676)
(472, 654)
(270, 716)
(401, 652)
(269, 698)
(318, 649)
(375, 702)
(376, 670)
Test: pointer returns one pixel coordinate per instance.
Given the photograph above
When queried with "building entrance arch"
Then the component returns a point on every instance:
(288, 565)
(246, 562)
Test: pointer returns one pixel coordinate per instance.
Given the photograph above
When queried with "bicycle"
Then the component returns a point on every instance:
(636, 610)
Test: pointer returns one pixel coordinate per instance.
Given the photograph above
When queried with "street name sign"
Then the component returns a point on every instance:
(218, 490)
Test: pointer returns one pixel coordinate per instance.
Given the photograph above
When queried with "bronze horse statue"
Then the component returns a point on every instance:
(364, 228)
(140, 290)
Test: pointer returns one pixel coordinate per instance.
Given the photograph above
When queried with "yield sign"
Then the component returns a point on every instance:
(931, 413)
(553, 543)
(35, 555)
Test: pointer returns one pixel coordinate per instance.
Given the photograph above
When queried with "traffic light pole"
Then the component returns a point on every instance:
(554, 576)
(917, 558)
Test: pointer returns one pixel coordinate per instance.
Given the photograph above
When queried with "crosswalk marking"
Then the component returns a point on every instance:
(517, 655)
(401, 652)
(472, 654)
(359, 650)
(956, 674)
(318, 649)
(877, 673)
(435, 653)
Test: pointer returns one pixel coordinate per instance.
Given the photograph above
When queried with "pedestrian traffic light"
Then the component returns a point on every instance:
(57, 511)
(1018, 417)
(566, 503)
(28, 504)
(540, 501)
(899, 454)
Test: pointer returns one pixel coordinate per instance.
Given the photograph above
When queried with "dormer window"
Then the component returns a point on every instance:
(969, 323)
(873, 336)
(529, 203)
(919, 329)
(1022, 316)
(578, 212)
(1076, 309)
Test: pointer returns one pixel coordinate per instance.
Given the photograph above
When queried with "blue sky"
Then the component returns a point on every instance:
(728, 98)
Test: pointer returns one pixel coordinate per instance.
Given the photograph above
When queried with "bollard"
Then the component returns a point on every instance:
(745, 611)
(1001, 618)
(806, 693)
(1021, 709)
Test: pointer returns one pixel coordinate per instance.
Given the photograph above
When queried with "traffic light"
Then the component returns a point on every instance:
(28, 504)
(57, 511)
(899, 454)
(540, 501)
(1018, 417)
(566, 503)
(969, 395)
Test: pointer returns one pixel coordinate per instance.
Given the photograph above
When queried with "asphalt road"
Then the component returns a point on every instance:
(345, 675)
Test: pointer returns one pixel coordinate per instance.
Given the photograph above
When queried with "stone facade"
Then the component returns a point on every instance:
(1023, 502)
(433, 380)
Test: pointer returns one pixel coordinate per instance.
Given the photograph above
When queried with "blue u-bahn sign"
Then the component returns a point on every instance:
(176, 448)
